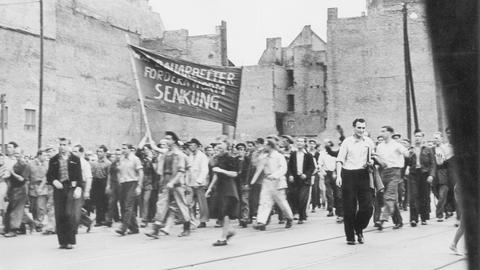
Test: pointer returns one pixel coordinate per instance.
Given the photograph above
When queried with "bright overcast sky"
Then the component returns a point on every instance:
(250, 22)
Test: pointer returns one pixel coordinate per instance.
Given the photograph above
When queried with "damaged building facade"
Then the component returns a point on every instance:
(304, 89)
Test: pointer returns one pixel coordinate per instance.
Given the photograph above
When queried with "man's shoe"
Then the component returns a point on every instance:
(230, 235)
(184, 233)
(380, 225)
(120, 232)
(398, 226)
(38, 226)
(98, 225)
(281, 221)
(68, 246)
(413, 223)
(424, 222)
(143, 224)
(454, 249)
(360, 238)
(186, 230)
(48, 232)
(260, 227)
(220, 243)
(313, 210)
(439, 219)
(89, 227)
(155, 230)
(330, 214)
(107, 224)
(202, 225)
(10, 234)
(218, 224)
(288, 224)
(350, 242)
(133, 232)
(339, 219)
(300, 221)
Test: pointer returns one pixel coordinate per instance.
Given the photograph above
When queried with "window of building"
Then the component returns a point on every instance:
(30, 119)
(290, 79)
(291, 103)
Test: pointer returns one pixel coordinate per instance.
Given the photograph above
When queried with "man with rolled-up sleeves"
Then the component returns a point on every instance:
(353, 177)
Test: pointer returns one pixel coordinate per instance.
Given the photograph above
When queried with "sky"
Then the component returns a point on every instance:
(250, 22)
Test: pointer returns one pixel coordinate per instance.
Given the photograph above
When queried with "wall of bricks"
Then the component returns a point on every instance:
(89, 94)
(366, 75)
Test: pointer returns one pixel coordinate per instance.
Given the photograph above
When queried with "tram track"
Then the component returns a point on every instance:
(296, 245)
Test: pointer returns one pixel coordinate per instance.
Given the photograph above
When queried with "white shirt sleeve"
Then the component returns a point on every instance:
(342, 153)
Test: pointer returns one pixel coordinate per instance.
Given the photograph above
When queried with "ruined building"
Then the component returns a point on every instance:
(289, 84)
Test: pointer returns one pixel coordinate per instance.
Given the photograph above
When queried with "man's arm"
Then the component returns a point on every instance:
(282, 168)
(18, 176)
(433, 162)
(180, 171)
(310, 168)
(225, 172)
(88, 180)
(202, 176)
(212, 184)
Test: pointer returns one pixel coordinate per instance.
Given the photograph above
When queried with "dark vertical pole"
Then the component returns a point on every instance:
(409, 66)
(224, 58)
(412, 94)
(40, 105)
(2, 102)
(406, 54)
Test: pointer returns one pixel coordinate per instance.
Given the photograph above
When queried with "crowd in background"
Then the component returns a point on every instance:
(190, 183)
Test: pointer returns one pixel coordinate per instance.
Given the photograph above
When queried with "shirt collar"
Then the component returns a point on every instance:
(357, 139)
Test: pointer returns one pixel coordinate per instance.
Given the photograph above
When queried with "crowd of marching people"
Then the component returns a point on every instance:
(157, 185)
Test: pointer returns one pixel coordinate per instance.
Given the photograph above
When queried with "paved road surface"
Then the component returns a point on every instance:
(317, 244)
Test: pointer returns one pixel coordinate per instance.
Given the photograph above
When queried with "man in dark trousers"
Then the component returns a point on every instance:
(300, 169)
(422, 172)
(352, 175)
(65, 175)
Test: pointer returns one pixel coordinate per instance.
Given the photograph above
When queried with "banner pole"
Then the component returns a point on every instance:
(139, 90)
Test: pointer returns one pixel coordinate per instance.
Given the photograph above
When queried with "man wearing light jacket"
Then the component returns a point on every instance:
(197, 180)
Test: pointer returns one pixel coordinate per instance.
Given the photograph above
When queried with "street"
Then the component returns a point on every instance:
(317, 244)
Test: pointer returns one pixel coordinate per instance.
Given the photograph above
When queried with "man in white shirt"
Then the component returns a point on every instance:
(274, 166)
(79, 151)
(197, 176)
(391, 157)
(333, 193)
(353, 176)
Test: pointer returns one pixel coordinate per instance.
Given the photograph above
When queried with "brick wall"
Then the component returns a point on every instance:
(366, 75)
(89, 93)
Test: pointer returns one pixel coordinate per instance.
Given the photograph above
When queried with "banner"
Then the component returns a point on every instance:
(189, 89)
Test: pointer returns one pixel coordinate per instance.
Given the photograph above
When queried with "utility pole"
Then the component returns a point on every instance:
(409, 86)
(224, 58)
(2, 118)
(406, 53)
(40, 109)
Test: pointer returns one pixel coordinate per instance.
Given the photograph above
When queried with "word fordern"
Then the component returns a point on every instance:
(166, 76)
